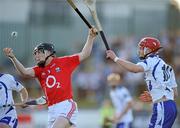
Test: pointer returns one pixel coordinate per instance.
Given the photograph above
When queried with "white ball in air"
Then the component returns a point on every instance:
(14, 34)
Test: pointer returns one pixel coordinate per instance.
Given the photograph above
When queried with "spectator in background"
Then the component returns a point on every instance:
(54, 75)
(106, 111)
(122, 102)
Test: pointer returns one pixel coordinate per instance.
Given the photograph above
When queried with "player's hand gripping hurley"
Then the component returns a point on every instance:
(91, 4)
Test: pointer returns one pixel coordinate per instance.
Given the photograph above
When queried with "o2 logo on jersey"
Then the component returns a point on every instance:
(51, 82)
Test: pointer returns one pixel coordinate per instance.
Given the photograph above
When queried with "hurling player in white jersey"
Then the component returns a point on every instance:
(160, 80)
(122, 102)
(8, 115)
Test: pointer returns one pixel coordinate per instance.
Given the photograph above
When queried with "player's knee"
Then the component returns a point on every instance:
(61, 122)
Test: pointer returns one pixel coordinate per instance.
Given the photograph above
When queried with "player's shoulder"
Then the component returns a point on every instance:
(152, 60)
(66, 57)
(5, 75)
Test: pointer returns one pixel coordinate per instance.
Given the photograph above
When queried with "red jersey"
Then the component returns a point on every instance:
(55, 78)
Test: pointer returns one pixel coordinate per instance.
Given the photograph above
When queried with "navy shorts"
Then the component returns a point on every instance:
(164, 114)
(124, 125)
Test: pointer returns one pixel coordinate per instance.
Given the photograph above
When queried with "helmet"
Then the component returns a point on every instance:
(45, 46)
(149, 42)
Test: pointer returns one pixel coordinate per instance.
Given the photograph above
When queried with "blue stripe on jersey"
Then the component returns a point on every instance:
(145, 62)
(160, 122)
(6, 120)
(149, 86)
(6, 91)
(154, 116)
(154, 69)
(1, 74)
(11, 108)
(15, 123)
(152, 55)
(168, 89)
(170, 69)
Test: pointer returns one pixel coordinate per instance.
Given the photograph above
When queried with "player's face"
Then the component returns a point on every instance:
(140, 51)
(39, 56)
(113, 83)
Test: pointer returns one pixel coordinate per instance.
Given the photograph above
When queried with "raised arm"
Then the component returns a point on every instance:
(25, 72)
(86, 51)
(124, 63)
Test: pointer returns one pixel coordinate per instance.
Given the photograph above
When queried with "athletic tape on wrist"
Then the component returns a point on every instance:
(116, 59)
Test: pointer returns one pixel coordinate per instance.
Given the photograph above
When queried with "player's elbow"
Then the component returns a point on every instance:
(137, 69)
(134, 71)
(84, 55)
(175, 95)
(175, 92)
(24, 94)
(27, 73)
(24, 74)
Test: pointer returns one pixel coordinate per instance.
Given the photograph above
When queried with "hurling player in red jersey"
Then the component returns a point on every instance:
(54, 75)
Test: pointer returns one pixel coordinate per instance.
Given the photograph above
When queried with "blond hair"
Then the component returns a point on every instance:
(113, 79)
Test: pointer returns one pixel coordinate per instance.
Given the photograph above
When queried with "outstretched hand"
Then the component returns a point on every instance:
(93, 32)
(145, 97)
(9, 52)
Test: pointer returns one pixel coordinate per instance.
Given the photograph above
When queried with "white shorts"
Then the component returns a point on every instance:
(8, 116)
(67, 109)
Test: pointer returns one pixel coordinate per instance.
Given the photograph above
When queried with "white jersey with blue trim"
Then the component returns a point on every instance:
(159, 77)
(120, 97)
(7, 84)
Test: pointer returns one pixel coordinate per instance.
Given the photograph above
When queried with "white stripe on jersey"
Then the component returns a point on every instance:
(159, 77)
